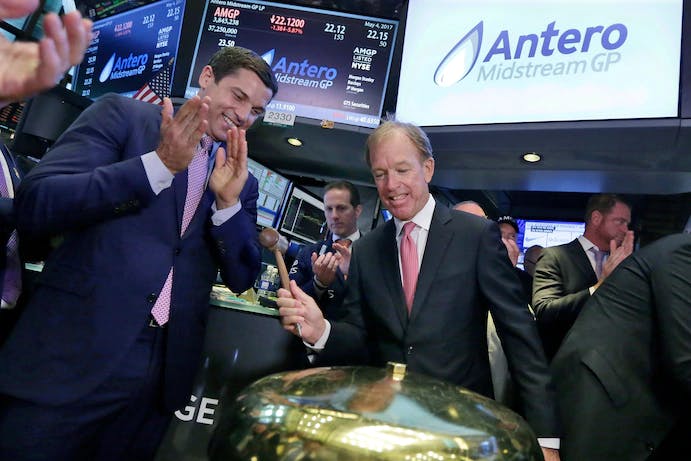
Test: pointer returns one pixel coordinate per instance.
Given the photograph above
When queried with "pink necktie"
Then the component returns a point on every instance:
(196, 178)
(409, 264)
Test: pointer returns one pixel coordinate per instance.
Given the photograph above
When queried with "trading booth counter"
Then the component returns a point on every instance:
(244, 342)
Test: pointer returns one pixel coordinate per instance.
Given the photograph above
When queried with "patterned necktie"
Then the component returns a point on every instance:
(599, 259)
(12, 285)
(196, 178)
(409, 264)
(345, 242)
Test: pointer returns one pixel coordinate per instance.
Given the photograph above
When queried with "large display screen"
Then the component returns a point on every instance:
(329, 66)
(547, 233)
(129, 48)
(497, 61)
(273, 191)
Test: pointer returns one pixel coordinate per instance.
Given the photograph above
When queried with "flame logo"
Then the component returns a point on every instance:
(461, 59)
(105, 73)
(269, 56)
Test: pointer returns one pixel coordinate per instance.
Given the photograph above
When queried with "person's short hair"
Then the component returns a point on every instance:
(602, 203)
(470, 203)
(230, 59)
(506, 219)
(390, 125)
(345, 185)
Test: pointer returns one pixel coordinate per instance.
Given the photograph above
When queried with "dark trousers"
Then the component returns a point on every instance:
(121, 420)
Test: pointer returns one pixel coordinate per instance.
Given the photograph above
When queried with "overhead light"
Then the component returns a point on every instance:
(294, 142)
(532, 157)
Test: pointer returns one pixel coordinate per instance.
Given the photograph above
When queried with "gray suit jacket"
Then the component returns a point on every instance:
(464, 270)
(563, 276)
(623, 373)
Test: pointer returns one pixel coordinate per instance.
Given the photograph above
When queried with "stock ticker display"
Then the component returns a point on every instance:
(329, 65)
(129, 48)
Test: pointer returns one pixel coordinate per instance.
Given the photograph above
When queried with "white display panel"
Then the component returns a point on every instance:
(501, 61)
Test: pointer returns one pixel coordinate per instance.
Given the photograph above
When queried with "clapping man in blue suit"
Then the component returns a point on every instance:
(109, 343)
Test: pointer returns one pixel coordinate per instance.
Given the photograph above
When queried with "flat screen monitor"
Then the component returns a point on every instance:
(303, 218)
(503, 61)
(273, 192)
(329, 65)
(128, 49)
(545, 233)
(44, 118)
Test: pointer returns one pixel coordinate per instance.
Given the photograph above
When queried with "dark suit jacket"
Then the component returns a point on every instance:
(563, 276)
(301, 271)
(464, 270)
(623, 373)
(97, 288)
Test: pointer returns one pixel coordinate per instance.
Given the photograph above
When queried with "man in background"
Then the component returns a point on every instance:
(321, 269)
(31, 67)
(567, 275)
(420, 287)
(472, 207)
(150, 204)
(509, 235)
(530, 258)
(623, 373)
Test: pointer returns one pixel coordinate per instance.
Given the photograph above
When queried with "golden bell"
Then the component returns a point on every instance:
(366, 413)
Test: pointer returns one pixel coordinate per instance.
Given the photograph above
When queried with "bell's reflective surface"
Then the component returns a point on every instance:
(365, 413)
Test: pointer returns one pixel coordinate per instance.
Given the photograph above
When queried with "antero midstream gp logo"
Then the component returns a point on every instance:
(300, 73)
(123, 67)
(551, 42)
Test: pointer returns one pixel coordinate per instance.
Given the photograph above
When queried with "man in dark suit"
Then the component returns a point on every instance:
(109, 342)
(623, 373)
(435, 322)
(321, 268)
(567, 275)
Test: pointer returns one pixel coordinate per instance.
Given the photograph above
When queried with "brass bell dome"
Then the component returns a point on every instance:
(366, 413)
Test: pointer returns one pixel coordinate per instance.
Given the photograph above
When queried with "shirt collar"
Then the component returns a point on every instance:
(352, 237)
(422, 219)
(586, 244)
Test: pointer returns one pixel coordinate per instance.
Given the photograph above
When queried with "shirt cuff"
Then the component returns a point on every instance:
(321, 342)
(221, 216)
(319, 289)
(548, 442)
(159, 175)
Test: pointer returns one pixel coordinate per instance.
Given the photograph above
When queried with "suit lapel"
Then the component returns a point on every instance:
(438, 240)
(581, 260)
(391, 272)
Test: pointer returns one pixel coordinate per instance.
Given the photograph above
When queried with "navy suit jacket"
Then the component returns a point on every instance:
(97, 288)
(623, 373)
(301, 271)
(464, 273)
(563, 276)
